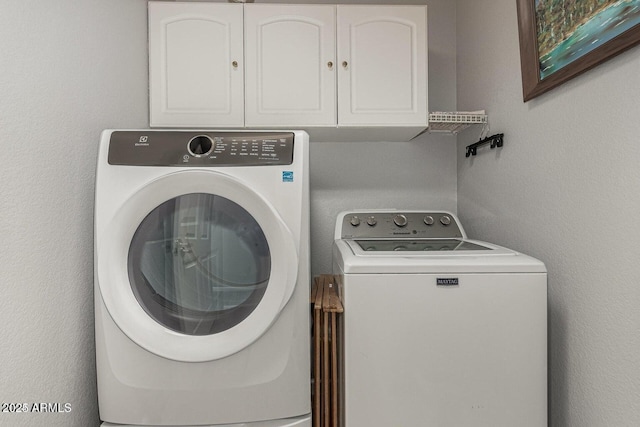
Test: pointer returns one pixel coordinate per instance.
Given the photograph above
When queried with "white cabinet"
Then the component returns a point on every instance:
(289, 65)
(196, 73)
(382, 75)
(303, 66)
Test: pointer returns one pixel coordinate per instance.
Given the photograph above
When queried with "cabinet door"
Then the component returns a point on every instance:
(290, 65)
(382, 61)
(195, 64)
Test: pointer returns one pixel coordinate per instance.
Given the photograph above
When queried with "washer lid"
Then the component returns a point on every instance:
(418, 246)
(134, 262)
(437, 256)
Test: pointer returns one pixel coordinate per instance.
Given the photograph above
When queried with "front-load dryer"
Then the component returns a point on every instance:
(202, 278)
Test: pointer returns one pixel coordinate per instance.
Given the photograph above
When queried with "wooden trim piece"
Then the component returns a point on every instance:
(327, 307)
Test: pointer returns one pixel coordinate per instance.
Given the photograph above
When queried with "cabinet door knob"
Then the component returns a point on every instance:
(345, 64)
(330, 65)
(235, 64)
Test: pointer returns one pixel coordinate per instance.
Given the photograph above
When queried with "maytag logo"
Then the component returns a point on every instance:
(447, 281)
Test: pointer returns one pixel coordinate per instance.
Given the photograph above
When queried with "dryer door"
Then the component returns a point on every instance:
(196, 266)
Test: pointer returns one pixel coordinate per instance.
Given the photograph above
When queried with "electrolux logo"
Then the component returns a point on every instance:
(447, 281)
(143, 141)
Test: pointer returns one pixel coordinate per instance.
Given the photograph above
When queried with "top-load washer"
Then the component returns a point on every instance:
(202, 278)
(438, 330)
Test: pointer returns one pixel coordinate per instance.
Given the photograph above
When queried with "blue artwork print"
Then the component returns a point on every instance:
(569, 29)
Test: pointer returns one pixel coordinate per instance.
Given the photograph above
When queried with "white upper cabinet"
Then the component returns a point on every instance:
(309, 66)
(290, 77)
(382, 75)
(196, 64)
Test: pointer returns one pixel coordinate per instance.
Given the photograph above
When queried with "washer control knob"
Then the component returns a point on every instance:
(400, 220)
(445, 220)
(355, 221)
(428, 220)
(372, 221)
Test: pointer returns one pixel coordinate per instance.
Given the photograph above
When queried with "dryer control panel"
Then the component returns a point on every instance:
(200, 148)
(399, 225)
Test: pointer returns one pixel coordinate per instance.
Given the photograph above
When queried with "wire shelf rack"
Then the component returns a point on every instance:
(454, 122)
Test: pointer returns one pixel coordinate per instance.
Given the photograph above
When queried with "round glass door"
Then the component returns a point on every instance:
(199, 264)
(195, 266)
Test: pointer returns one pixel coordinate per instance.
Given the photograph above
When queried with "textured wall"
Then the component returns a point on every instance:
(415, 175)
(565, 188)
(68, 69)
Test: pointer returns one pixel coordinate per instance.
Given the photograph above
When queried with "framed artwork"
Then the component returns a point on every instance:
(560, 39)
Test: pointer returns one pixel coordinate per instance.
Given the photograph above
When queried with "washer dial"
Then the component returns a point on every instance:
(400, 220)
(445, 220)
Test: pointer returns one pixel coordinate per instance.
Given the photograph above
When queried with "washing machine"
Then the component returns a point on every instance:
(202, 278)
(438, 330)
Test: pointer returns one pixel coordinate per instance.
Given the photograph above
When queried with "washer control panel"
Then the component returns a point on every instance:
(192, 148)
(398, 224)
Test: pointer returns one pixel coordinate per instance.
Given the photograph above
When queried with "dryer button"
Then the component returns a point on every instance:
(200, 145)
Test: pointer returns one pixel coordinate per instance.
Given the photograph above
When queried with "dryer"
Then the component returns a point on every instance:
(202, 278)
(438, 330)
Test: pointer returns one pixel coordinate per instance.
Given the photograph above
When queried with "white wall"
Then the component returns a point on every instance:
(68, 69)
(565, 188)
(414, 175)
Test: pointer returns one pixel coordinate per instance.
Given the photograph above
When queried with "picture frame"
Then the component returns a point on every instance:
(534, 81)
